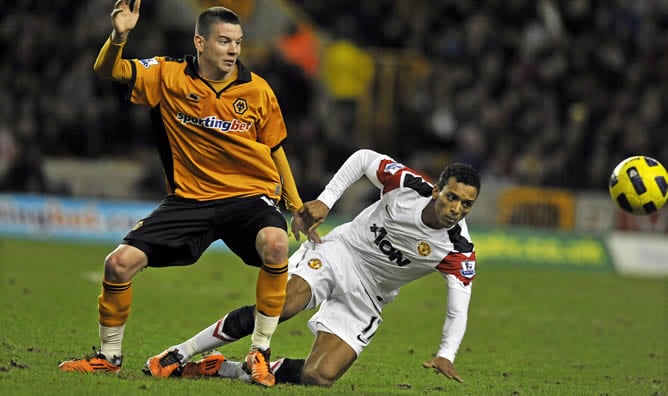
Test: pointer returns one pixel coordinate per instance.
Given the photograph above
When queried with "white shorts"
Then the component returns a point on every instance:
(346, 309)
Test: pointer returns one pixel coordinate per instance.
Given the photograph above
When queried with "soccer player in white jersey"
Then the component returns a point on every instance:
(413, 229)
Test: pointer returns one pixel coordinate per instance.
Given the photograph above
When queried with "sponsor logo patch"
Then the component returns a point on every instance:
(213, 122)
(468, 269)
(148, 62)
(394, 167)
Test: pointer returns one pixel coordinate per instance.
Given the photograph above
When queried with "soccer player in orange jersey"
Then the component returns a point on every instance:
(219, 131)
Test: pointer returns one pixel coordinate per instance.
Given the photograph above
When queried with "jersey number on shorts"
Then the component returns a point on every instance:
(369, 331)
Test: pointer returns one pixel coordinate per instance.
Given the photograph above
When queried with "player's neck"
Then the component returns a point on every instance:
(428, 217)
(216, 75)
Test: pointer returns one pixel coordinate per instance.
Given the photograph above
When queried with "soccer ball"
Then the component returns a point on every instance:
(639, 185)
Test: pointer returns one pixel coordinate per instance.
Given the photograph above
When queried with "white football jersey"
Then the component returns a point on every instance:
(391, 243)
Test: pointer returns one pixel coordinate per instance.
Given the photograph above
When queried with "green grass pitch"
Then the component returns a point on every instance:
(530, 331)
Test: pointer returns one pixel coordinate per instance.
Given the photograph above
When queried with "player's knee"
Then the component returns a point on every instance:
(121, 266)
(273, 246)
(316, 377)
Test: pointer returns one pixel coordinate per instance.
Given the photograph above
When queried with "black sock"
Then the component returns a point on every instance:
(290, 371)
(240, 322)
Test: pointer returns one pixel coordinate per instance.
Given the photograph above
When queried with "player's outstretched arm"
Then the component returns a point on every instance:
(124, 19)
(444, 366)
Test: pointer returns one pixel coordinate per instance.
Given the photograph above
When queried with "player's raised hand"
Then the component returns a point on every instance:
(124, 19)
(444, 366)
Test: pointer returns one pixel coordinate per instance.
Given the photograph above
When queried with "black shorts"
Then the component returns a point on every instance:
(179, 230)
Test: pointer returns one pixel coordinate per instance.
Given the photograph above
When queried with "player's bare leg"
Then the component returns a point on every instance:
(329, 359)
(233, 326)
(272, 246)
(114, 302)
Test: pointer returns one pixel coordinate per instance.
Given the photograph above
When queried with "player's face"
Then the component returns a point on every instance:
(453, 202)
(218, 53)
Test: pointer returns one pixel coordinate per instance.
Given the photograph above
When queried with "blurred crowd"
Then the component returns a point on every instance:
(538, 92)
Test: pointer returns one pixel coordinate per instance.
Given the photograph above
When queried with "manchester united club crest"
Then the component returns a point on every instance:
(423, 249)
(315, 263)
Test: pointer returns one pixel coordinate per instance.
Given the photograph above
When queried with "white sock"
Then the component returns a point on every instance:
(111, 339)
(232, 369)
(210, 338)
(264, 329)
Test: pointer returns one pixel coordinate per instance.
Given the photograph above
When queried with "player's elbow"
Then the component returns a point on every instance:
(457, 312)
(101, 71)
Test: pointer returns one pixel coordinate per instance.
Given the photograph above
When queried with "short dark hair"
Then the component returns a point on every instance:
(463, 173)
(214, 15)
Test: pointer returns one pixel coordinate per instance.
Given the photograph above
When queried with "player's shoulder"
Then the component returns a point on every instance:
(395, 176)
(173, 61)
(259, 82)
(163, 61)
(392, 166)
(461, 238)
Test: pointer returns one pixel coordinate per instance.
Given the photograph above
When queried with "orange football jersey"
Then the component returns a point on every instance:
(213, 144)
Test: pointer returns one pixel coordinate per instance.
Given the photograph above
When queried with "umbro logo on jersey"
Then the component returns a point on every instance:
(193, 97)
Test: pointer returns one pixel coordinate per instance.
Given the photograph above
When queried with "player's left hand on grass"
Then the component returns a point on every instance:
(444, 366)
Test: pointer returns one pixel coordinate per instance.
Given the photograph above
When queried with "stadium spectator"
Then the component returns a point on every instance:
(226, 172)
(300, 46)
(25, 173)
(414, 229)
(347, 73)
(518, 61)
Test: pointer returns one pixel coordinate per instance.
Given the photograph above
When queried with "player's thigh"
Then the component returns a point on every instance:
(239, 221)
(176, 233)
(326, 268)
(298, 296)
(352, 316)
(329, 359)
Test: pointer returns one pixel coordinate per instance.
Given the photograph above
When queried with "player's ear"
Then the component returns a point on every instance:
(434, 192)
(199, 42)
